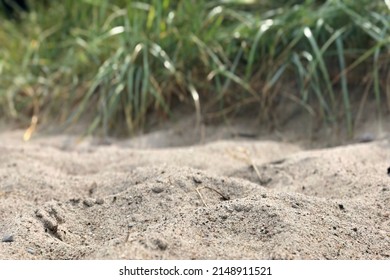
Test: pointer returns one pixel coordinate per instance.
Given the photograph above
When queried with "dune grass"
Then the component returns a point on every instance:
(116, 63)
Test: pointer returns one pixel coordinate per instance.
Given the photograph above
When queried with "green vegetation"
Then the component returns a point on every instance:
(118, 61)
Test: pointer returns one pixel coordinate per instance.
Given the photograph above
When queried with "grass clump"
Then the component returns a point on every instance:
(118, 61)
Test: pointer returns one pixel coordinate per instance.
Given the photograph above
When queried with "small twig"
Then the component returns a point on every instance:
(225, 197)
(247, 158)
(218, 192)
(256, 170)
(201, 197)
(127, 236)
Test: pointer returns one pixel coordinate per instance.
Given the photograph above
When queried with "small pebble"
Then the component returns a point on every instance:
(223, 216)
(89, 202)
(8, 238)
(197, 180)
(31, 251)
(295, 205)
(241, 207)
(99, 201)
(157, 189)
(39, 213)
(161, 244)
(74, 200)
(131, 225)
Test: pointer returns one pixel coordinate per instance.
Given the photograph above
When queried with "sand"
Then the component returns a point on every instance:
(175, 194)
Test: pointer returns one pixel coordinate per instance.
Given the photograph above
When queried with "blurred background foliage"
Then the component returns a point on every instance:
(118, 63)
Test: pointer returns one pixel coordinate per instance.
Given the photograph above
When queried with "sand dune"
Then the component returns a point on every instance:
(225, 199)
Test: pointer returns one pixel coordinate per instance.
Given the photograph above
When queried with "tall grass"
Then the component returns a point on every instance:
(118, 62)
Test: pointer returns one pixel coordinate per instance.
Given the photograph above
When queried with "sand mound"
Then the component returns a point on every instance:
(229, 199)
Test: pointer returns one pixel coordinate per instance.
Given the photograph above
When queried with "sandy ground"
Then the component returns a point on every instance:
(163, 195)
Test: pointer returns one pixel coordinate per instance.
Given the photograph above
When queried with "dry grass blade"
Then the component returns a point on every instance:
(201, 196)
(243, 155)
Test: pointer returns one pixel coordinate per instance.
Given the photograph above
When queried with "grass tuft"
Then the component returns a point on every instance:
(117, 63)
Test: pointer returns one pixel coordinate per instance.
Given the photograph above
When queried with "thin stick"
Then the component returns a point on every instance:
(201, 197)
(127, 236)
(248, 159)
(256, 170)
(221, 194)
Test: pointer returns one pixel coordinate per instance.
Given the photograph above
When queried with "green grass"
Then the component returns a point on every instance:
(117, 63)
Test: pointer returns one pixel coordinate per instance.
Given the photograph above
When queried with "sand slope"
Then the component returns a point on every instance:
(227, 199)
